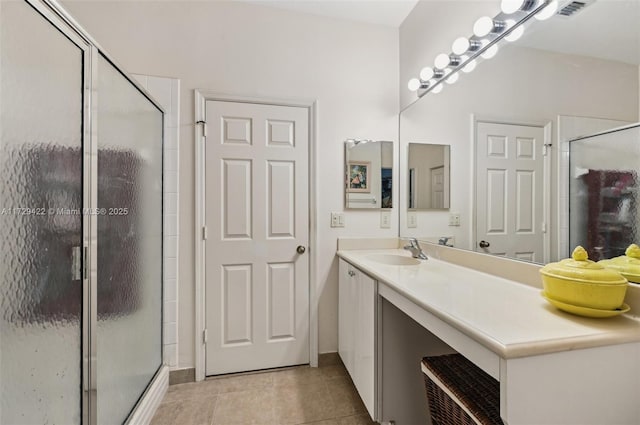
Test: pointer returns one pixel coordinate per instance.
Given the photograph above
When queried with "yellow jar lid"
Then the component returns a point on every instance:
(628, 264)
(579, 267)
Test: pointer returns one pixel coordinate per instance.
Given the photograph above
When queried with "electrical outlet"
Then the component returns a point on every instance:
(454, 219)
(412, 219)
(385, 219)
(337, 219)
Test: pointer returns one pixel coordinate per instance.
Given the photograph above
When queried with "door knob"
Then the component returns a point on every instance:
(484, 244)
(301, 249)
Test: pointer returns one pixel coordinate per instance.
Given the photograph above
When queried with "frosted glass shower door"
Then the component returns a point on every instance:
(41, 227)
(604, 187)
(129, 332)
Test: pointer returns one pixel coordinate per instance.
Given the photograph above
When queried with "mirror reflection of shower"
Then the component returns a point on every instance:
(603, 214)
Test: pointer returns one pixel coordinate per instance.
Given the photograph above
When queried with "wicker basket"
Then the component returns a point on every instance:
(459, 392)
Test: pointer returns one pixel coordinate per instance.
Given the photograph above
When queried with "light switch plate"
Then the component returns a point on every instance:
(412, 219)
(337, 219)
(454, 219)
(385, 219)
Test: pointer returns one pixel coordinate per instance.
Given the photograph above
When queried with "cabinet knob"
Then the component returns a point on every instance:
(352, 273)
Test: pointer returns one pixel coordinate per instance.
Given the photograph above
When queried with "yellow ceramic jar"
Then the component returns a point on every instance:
(582, 282)
(627, 265)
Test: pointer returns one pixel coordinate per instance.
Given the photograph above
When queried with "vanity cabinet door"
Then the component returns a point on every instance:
(356, 330)
(346, 315)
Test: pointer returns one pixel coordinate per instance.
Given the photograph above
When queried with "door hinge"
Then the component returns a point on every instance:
(204, 127)
(205, 336)
(204, 233)
(544, 227)
(545, 148)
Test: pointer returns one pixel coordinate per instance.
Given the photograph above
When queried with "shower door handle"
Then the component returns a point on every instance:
(76, 263)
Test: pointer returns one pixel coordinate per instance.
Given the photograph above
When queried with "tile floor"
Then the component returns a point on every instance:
(300, 395)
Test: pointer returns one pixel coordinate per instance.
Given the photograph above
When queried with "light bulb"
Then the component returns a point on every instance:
(426, 73)
(516, 33)
(470, 66)
(452, 78)
(437, 89)
(511, 6)
(548, 11)
(490, 52)
(414, 84)
(460, 45)
(442, 61)
(483, 26)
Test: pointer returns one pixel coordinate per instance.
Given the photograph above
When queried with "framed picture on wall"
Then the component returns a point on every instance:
(358, 176)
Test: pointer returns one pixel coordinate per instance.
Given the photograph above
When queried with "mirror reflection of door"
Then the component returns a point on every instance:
(412, 188)
(509, 190)
(428, 183)
(437, 187)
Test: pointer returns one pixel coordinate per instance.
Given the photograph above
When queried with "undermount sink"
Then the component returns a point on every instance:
(394, 259)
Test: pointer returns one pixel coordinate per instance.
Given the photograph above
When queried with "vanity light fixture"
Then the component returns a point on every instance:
(490, 52)
(414, 84)
(452, 78)
(442, 61)
(548, 11)
(511, 6)
(486, 25)
(426, 73)
(487, 33)
(516, 33)
(469, 66)
(460, 45)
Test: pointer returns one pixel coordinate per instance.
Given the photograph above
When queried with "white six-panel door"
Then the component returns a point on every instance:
(509, 190)
(257, 220)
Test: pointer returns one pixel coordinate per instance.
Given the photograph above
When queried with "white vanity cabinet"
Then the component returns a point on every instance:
(357, 330)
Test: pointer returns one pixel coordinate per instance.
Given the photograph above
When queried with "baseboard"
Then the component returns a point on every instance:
(182, 376)
(151, 399)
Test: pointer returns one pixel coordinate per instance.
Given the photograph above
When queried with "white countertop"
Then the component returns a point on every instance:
(508, 318)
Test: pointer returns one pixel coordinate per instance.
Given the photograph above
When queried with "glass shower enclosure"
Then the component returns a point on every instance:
(604, 209)
(80, 225)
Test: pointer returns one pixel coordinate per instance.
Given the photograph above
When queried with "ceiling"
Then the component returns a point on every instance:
(606, 29)
(382, 12)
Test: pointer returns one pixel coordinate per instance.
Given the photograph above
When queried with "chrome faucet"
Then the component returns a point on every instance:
(444, 241)
(416, 251)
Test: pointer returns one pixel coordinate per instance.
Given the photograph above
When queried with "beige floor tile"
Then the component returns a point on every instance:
(325, 422)
(249, 382)
(192, 411)
(299, 403)
(245, 407)
(191, 390)
(336, 371)
(345, 397)
(303, 375)
(299, 395)
(363, 419)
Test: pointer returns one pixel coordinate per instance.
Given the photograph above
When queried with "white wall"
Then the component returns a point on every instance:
(520, 85)
(244, 49)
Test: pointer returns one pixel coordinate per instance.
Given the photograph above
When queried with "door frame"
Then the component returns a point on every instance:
(546, 176)
(201, 97)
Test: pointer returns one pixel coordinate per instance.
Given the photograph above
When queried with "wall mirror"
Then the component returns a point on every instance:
(510, 124)
(369, 174)
(428, 178)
